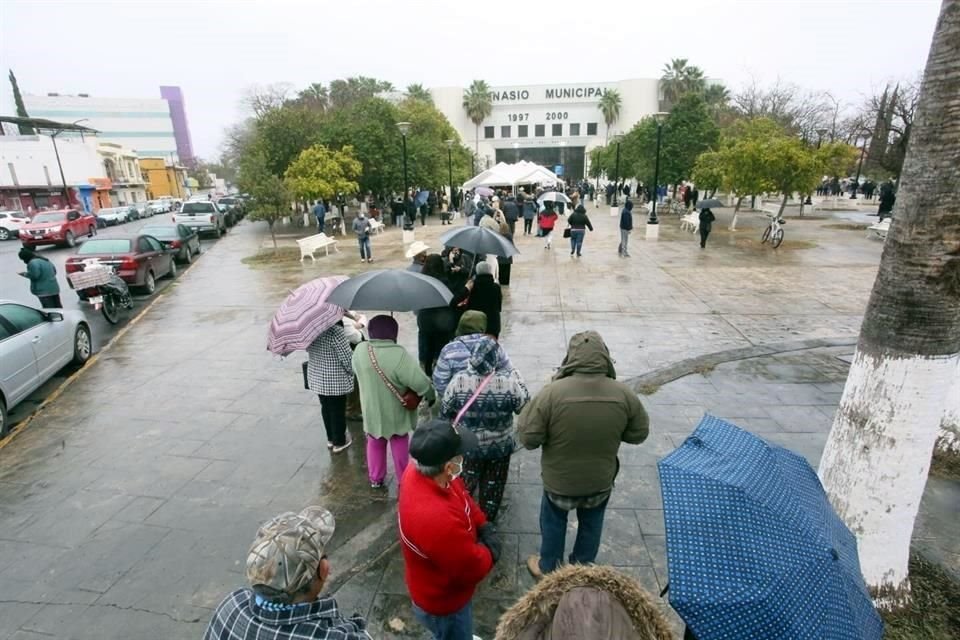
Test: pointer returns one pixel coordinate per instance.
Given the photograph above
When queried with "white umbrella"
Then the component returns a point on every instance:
(554, 196)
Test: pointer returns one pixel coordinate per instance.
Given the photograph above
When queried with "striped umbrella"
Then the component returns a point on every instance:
(303, 316)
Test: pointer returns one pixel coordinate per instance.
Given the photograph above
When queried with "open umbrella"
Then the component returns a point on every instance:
(479, 240)
(422, 198)
(554, 196)
(391, 290)
(709, 203)
(304, 315)
(484, 191)
(754, 549)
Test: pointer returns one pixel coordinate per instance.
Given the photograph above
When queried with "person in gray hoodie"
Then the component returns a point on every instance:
(626, 226)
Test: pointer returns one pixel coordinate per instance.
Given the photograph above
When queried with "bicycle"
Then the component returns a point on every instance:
(774, 231)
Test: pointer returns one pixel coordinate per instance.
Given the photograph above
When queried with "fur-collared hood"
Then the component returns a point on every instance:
(530, 617)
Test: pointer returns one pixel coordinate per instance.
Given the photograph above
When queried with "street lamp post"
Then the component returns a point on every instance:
(656, 179)
(856, 183)
(56, 152)
(450, 174)
(616, 174)
(407, 220)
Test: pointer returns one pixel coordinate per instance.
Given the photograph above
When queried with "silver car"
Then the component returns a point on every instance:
(34, 345)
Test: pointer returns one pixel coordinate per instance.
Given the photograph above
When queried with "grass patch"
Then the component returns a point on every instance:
(945, 465)
(648, 389)
(847, 226)
(933, 613)
(704, 369)
(272, 257)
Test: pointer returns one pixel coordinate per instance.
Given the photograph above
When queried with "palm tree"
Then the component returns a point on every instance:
(680, 78)
(418, 92)
(610, 103)
(315, 96)
(478, 103)
(875, 464)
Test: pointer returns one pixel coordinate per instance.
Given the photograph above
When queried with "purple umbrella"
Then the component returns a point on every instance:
(484, 191)
(303, 316)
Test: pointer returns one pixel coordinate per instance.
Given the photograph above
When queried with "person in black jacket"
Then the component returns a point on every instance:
(487, 297)
(706, 224)
(626, 226)
(436, 325)
(511, 211)
(579, 223)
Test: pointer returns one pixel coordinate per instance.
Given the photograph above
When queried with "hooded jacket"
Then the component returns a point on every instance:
(581, 601)
(456, 354)
(490, 416)
(580, 419)
(626, 216)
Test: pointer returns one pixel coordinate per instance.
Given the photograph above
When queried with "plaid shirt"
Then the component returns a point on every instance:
(241, 617)
(330, 369)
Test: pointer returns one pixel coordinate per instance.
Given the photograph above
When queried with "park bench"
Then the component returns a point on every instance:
(690, 222)
(879, 230)
(310, 244)
(376, 226)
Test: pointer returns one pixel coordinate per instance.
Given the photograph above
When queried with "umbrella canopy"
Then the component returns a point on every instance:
(304, 315)
(484, 191)
(479, 240)
(554, 196)
(709, 203)
(754, 549)
(422, 198)
(391, 290)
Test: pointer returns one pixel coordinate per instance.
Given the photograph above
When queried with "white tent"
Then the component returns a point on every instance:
(511, 175)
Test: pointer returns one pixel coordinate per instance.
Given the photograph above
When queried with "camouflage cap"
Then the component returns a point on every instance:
(287, 551)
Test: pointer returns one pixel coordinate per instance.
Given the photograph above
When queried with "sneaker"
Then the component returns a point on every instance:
(376, 485)
(533, 566)
(342, 447)
(329, 445)
(370, 260)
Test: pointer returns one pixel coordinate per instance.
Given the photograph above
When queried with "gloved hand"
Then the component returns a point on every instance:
(487, 534)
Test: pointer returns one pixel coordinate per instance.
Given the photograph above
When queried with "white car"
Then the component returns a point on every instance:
(34, 345)
(159, 206)
(114, 215)
(143, 209)
(10, 222)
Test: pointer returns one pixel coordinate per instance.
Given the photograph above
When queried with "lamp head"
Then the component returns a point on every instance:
(450, 143)
(404, 127)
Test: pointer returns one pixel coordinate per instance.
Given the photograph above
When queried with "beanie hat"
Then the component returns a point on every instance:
(472, 322)
(383, 328)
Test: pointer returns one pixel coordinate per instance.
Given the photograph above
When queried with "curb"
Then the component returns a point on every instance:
(660, 377)
(366, 548)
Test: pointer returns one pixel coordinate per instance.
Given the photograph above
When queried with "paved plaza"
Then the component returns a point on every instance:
(127, 505)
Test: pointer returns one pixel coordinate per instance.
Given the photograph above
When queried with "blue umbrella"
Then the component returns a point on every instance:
(421, 198)
(754, 549)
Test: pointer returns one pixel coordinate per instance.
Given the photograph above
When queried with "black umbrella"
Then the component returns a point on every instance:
(709, 203)
(479, 240)
(391, 290)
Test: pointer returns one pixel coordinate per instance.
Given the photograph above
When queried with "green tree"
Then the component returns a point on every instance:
(199, 171)
(319, 173)
(427, 147)
(791, 167)
(344, 93)
(21, 109)
(316, 97)
(271, 198)
(478, 103)
(418, 92)
(610, 104)
(679, 79)
(370, 127)
(282, 133)
(708, 171)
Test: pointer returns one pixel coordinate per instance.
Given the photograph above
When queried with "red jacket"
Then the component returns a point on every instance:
(444, 561)
(548, 220)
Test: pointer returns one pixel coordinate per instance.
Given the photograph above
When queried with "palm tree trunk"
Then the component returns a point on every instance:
(876, 460)
(476, 152)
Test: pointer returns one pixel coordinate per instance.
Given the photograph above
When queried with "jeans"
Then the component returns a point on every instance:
(377, 456)
(455, 626)
(365, 252)
(553, 534)
(527, 225)
(333, 410)
(50, 302)
(624, 239)
(576, 240)
(320, 221)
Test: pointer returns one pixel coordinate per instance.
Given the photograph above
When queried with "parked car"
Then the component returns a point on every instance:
(139, 259)
(158, 206)
(229, 217)
(61, 227)
(116, 215)
(142, 209)
(34, 345)
(235, 204)
(179, 237)
(201, 215)
(10, 223)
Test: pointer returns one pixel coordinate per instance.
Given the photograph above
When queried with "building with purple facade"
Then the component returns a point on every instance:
(181, 130)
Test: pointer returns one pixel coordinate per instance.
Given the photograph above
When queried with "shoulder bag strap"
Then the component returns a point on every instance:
(383, 376)
(473, 398)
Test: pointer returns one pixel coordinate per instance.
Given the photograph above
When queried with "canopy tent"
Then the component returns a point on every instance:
(513, 175)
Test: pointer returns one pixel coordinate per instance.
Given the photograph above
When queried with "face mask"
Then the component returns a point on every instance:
(454, 476)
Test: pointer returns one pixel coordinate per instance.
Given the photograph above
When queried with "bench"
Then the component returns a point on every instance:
(310, 244)
(690, 222)
(376, 226)
(879, 230)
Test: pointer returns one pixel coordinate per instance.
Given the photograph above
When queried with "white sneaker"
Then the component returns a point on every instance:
(342, 447)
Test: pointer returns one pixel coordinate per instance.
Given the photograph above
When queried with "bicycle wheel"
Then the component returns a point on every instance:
(777, 238)
(766, 234)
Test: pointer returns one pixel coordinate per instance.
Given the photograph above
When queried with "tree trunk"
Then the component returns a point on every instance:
(273, 233)
(476, 151)
(736, 210)
(783, 205)
(948, 441)
(875, 464)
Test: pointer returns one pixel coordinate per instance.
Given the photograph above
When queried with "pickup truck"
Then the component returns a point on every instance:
(61, 227)
(202, 216)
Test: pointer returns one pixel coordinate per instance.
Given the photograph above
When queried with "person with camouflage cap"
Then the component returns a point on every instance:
(287, 569)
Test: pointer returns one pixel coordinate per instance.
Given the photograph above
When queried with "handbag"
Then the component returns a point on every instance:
(566, 232)
(306, 382)
(409, 398)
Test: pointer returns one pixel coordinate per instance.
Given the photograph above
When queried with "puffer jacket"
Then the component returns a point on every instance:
(490, 416)
(583, 601)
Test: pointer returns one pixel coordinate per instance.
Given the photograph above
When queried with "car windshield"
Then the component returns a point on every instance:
(49, 217)
(228, 201)
(198, 207)
(160, 232)
(106, 245)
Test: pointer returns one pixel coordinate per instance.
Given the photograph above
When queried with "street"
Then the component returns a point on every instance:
(13, 287)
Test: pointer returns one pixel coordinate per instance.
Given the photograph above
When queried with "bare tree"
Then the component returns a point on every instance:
(261, 99)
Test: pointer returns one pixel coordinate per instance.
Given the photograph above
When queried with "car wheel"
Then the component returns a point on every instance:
(82, 346)
(218, 232)
(150, 283)
(70, 240)
(187, 255)
(91, 231)
(4, 234)
(197, 252)
(173, 269)
(4, 425)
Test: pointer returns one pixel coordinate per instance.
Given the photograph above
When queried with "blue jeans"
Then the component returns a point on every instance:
(455, 626)
(553, 534)
(365, 253)
(320, 221)
(576, 240)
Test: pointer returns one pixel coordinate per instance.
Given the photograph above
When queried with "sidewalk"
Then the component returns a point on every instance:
(127, 506)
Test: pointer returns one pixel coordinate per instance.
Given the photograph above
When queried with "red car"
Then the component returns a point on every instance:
(61, 227)
(139, 260)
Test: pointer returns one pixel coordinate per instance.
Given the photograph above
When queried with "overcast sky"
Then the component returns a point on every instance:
(215, 49)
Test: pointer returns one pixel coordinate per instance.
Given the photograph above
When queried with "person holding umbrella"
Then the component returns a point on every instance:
(548, 220)
(330, 376)
(707, 218)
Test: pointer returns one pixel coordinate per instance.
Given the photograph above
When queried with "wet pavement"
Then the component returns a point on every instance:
(128, 504)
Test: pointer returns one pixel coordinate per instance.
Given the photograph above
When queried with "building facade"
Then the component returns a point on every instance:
(178, 116)
(122, 168)
(164, 178)
(552, 125)
(148, 126)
